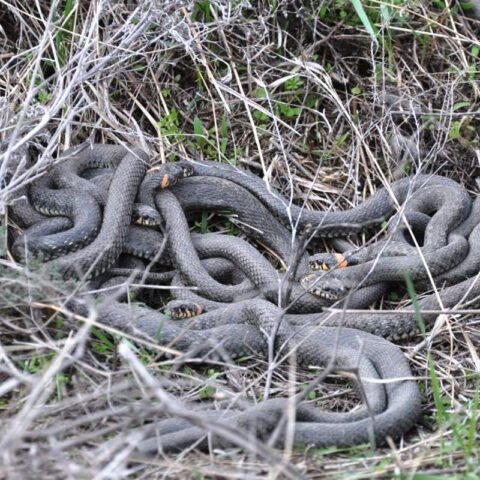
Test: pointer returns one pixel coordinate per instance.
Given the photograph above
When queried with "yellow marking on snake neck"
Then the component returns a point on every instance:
(342, 262)
(165, 181)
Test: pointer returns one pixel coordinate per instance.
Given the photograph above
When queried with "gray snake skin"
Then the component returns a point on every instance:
(260, 304)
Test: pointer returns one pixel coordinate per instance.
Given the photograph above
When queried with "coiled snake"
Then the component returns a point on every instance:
(260, 301)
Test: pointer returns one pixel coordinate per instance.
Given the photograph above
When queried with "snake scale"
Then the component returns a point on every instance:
(249, 306)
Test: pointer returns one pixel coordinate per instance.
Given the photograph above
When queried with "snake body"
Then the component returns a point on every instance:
(105, 249)
(287, 313)
(208, 193)
(71, 198)
(397, 404)
(332, 224)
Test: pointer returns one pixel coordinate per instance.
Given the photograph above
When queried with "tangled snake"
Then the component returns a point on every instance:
(261, 311)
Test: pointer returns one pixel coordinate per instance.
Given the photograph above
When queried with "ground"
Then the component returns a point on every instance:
(327, 101)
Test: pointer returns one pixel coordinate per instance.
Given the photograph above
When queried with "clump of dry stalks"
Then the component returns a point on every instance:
(300, 93)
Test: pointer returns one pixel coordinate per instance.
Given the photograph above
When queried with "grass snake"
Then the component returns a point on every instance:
(239, 326)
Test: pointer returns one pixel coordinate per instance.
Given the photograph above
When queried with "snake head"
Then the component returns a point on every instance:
(182, 309)
(328, 261)
(168, 174)
(145, 215)
(187, 170)
(328, 287)
(183, 169)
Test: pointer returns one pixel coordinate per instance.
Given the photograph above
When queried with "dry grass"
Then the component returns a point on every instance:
(296, 91)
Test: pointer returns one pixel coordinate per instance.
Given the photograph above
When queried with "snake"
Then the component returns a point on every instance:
(452, 268)
(333, 285)
(64, 192)
(203, 280)
(242, 327)
(221, 187)
(237, 329)
(392, 325)
(371, 212)
(188, 250)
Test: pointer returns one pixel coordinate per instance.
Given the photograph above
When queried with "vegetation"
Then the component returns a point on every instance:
(327, 101)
